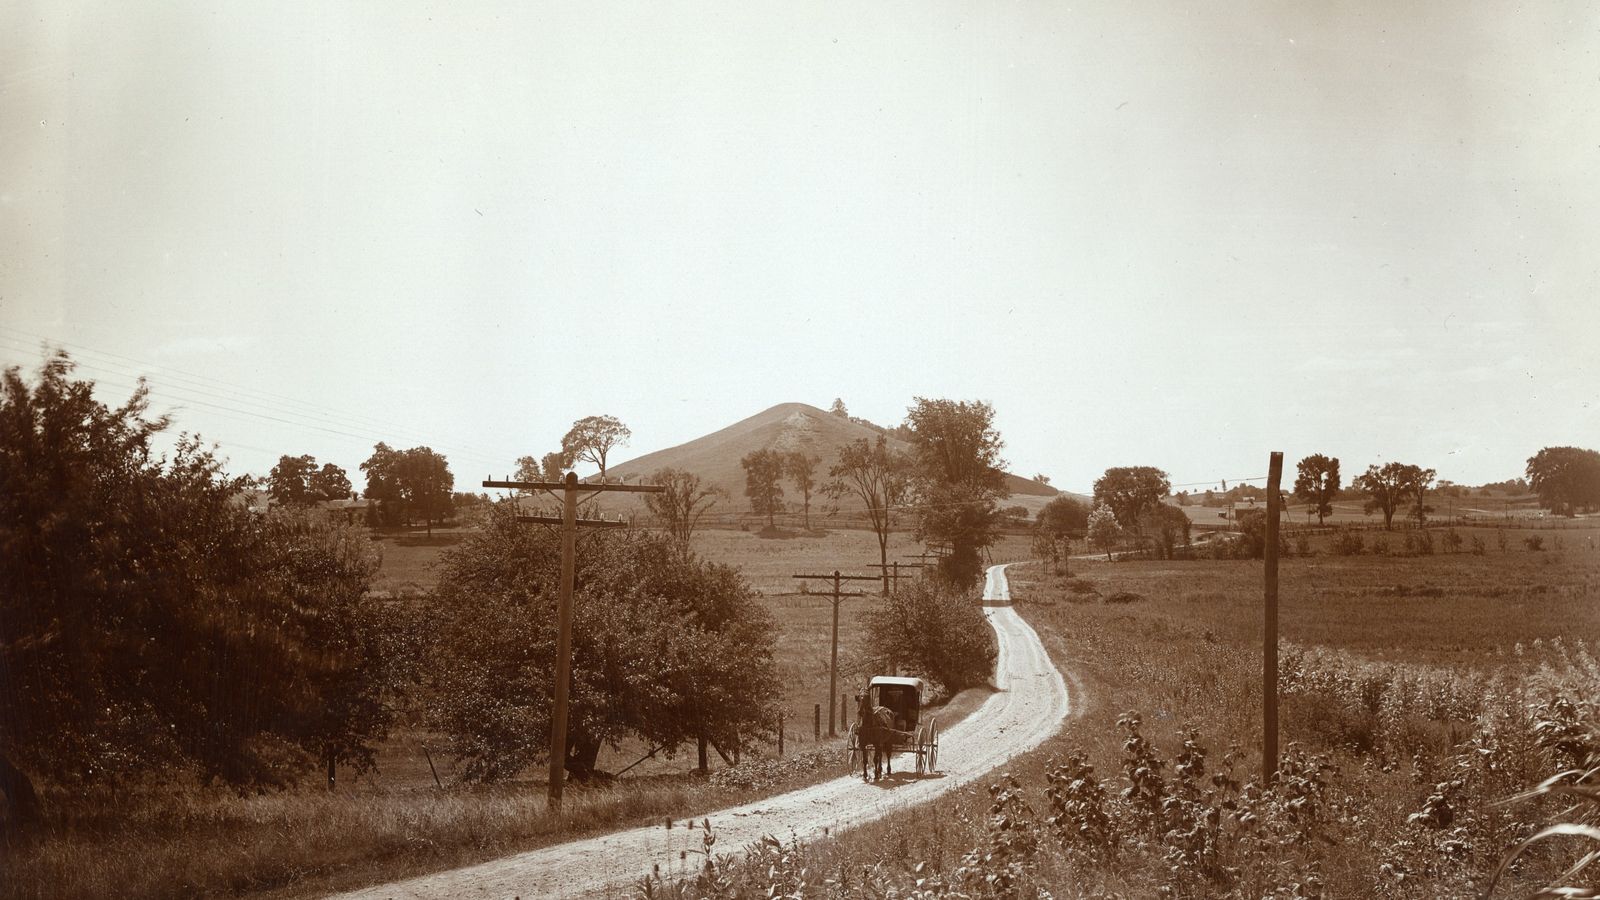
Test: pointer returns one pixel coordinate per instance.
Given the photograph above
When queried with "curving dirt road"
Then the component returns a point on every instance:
(1029, 706)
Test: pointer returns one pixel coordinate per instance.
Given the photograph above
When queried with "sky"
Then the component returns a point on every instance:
(1180, 235)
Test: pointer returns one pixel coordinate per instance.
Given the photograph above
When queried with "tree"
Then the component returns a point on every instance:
(425, 485)
(290, 480)
(149, 621)
(1103, 529)
(592, 438)
(528, 469)
(763, 482)
(1417, 490)
(1567, 479)
(329, 483)
(383, 484)
(1065, 516)
(680, 507)
(1317, 483)
(958, 478)
(667, 648)
(933, 629)
(1168, 526)
(838, 408)
(801, 468)
(1391, 486)
(1046, 547)
(554, 465)
(1129, 490)
(1042, 478)
(878, 476)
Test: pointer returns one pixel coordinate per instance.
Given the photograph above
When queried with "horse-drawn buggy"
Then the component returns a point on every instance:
(889, 720)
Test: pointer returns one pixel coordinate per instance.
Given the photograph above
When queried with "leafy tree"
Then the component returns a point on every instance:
(667, 648)
(1130, 490)
(683, 503)
(1567, 479)
(329, 483)
(425, 484)
(1417, 490)
(1047, 547)
(1317, 483)
(1391, 486)
(383, 483)
(1065, 516)
(763, 482)
(592, 438)
(290, 480)
(1252, 543)
(296, 481)
(554, 465)
(801, 468)
(528, 469)
(838, 408)
(1104, 531)
(149, 621)
(1169, 527)
(934, 629)
(1042, 478)
(879, 477)
(956, 468)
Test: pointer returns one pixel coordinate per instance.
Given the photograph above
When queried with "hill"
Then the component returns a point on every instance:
(785, 427)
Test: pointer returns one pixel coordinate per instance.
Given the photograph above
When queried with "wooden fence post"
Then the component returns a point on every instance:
(780, 732)
(816, 722)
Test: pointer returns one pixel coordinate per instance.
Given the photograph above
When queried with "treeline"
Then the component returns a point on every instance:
(950, 481)
(156, 630)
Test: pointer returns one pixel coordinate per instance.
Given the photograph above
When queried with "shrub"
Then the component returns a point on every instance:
(1347, 542)
(933, 630)
(1534, 542)
(1302, 544)
(1452, 540)
(1478, 548)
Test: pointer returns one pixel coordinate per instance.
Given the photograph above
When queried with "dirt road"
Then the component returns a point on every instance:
(1029, 707)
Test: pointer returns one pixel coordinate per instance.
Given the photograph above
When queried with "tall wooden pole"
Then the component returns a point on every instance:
(1269, 637)
(568, 524)
(558, 718)
(833, 661)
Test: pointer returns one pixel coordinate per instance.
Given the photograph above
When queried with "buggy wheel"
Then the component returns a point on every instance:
(921, 748)
(854, 753)
(933, 745)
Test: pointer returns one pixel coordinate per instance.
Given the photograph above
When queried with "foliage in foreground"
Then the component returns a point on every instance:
(148, 621)
(667, 648)
(1396, 777)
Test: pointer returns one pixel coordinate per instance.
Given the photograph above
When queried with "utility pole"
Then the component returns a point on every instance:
(833, 662)
(569, 523)
(1269, 636)
(893, 571)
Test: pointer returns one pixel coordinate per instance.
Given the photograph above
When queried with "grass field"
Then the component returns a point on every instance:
(1419, 679)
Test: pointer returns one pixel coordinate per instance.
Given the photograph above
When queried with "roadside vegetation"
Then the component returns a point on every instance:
(1418, 694)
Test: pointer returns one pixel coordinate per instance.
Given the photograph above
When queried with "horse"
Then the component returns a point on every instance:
(876, 727)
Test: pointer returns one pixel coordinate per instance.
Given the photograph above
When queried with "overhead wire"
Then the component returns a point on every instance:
(278, 413)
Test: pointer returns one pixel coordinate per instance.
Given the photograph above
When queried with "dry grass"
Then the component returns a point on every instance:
(1187, 655)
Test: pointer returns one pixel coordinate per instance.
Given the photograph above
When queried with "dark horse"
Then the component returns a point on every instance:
(875, 726)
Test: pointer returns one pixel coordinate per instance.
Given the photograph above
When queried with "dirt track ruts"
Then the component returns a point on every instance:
(1028, 707)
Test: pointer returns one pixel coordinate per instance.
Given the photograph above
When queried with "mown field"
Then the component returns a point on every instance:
(1417, 691)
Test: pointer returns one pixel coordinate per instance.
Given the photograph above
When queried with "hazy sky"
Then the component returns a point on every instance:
(1172, 234)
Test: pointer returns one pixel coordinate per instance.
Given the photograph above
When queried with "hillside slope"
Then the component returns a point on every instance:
(786, 427)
